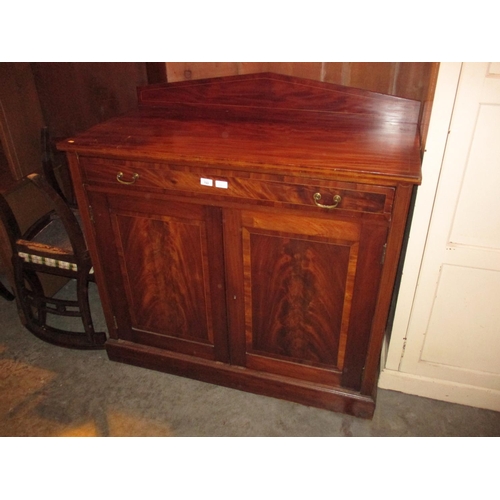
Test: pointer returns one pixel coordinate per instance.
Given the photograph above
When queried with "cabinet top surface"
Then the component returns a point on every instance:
(265, 122)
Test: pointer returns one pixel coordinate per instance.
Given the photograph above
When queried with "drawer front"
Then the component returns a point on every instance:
(160, 177)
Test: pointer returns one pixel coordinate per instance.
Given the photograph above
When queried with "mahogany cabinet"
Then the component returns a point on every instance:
(246, 231)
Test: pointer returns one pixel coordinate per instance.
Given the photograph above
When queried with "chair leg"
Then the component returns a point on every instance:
(82, 292)
(34, 300)
(25, 306)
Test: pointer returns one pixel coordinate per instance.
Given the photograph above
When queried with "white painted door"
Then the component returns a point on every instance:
(453, 336)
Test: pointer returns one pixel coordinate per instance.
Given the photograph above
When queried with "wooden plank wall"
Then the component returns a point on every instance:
(403, 79)
(76, 96)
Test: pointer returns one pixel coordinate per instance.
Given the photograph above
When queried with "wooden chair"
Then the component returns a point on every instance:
(54, 244)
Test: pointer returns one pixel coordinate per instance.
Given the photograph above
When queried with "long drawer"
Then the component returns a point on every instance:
(149, 176)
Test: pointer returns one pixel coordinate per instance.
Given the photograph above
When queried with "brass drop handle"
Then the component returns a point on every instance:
(119, 178)
(336, 200)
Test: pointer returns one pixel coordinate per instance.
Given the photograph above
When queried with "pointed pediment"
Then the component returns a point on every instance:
(288, 124)
(279, 92)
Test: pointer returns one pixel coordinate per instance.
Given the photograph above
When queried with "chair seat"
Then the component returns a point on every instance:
(45, 261)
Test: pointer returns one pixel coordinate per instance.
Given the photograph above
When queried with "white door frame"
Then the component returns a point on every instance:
(393, 375)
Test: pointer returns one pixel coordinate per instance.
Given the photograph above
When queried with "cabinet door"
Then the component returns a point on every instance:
(163, 269)
(302, 296)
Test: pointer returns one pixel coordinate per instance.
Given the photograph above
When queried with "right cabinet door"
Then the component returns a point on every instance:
(303, 293)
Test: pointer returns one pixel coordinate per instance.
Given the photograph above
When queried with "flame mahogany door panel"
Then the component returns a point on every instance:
(308, 287)
(168, 283)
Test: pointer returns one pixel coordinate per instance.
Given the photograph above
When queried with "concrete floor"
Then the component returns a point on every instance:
(51, 391)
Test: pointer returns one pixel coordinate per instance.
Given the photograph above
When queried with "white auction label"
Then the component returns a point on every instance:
(206, 182)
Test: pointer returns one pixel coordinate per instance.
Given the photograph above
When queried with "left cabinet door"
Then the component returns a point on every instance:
(163, 269)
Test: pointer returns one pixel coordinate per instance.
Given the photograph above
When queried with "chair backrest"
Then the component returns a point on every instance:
(48, 163)
(49, 167)
(29, 205)
(60, 207)
(66, 214)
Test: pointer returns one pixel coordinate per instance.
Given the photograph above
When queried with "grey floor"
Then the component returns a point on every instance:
(51, 391)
